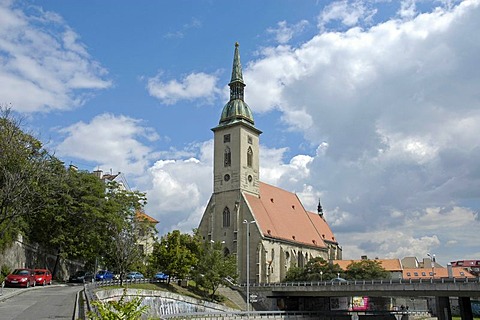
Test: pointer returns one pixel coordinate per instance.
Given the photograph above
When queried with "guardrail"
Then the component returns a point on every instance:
(115, 282)
(364, 282)
(289, 314)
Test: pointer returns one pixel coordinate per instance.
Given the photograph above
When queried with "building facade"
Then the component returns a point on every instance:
(281, 233)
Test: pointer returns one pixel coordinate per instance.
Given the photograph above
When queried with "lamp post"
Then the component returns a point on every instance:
(432, 258)
(247, 223)
(321, 275)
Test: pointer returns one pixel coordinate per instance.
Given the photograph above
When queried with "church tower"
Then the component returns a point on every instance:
(266, 228)
(236, 140)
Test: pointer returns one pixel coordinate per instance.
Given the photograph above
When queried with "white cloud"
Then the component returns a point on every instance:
(193, 86)
(52, 66)
(349, 13)
(111, 141)
(394, 110)
(284, 32)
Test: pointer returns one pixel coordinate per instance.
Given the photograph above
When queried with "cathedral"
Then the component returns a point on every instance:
(265, 227)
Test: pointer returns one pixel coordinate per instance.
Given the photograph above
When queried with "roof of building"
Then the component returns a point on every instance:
(141, 215)
(280, 214)
(426, 273)
(390, 265)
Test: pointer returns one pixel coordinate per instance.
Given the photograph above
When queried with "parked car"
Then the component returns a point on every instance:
(43, 277)
(20, 278)
(103, 275)
(134, 275)
(81, 277)
(160, 276)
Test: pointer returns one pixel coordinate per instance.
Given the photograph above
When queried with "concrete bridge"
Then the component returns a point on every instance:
(440, 289)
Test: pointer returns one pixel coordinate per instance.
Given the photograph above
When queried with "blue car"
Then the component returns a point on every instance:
(160, 276)
(134, 275)
(103, 275)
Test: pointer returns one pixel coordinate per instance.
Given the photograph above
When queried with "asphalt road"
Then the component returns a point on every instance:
(39, 303)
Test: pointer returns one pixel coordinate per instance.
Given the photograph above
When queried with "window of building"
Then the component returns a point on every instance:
(227, 157)
(226, 252)
(431, 273)
(226, 138)
(249, 139)
(424, 274)
(226, 217)
(249, 157)
(408, 274)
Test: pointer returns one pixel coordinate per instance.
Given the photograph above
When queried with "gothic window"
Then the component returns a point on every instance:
(227, 157)
(249, 157)
(226, 252)
(226, 217)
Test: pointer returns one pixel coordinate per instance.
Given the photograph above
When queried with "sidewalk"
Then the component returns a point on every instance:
(6, 293)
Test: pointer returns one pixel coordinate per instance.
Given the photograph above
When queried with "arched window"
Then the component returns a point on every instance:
(226, 252)
(227, 157)
(249, 157)
(226, 217)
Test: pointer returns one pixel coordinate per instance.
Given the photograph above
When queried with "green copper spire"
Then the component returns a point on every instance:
(237, 67)
(236, 109)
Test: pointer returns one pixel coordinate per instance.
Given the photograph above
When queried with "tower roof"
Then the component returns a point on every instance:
(236, 110)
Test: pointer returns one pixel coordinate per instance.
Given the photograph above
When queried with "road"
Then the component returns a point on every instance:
(39, 303)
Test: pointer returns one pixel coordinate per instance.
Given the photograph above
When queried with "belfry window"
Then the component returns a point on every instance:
(227, 157)
(249, 157)
(226, 138)
(226, 217)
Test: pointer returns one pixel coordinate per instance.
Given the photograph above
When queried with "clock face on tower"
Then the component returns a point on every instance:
(250, 178)
(226, 177)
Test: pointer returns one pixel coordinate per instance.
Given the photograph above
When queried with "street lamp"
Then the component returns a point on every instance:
(432, 258)
(247, 223)
(321, 275)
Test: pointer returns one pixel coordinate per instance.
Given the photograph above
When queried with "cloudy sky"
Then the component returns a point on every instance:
(373, 106)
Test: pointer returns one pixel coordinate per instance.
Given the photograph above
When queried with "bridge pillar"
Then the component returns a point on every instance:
(443, 308)
(465, 308)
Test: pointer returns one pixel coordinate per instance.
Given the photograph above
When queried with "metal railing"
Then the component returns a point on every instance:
(364, 282)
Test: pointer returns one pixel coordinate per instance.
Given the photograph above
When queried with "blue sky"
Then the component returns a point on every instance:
(372, 106)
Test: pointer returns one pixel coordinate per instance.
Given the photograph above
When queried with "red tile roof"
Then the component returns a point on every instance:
(145, 217)
(389, 265)
(424, 273)
(281, 215)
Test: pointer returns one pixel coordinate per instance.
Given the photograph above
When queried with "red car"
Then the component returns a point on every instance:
(43, 277)
(20, 278)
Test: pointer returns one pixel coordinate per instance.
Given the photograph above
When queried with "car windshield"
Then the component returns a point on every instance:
(21, 272)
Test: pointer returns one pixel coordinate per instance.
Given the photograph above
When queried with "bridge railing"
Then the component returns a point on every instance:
(364, 282)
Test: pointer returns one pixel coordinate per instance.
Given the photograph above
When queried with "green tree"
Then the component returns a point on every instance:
(22, 162)
(119, 310)
(72, 214)
(316, 269)
(122, 252)
(214, 267)
(176, 254)
(366, 270)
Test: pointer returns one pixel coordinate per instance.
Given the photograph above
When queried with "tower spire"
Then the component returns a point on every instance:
(236, 109)
(319, 208)
(237, 67)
